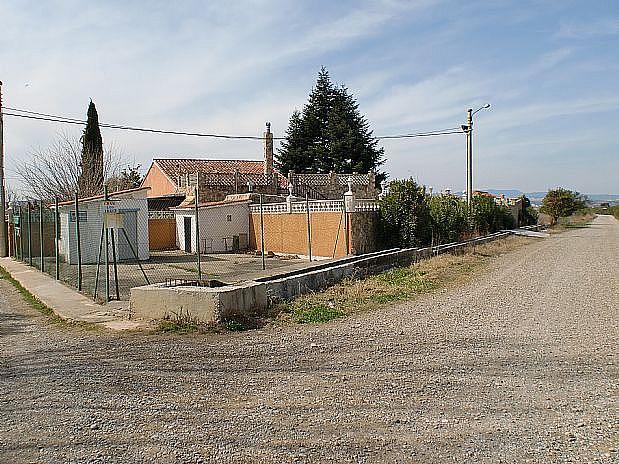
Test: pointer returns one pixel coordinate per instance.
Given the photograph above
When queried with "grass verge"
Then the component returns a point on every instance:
(30, 298)
(401, 284)
(575, 221)
(41, 307)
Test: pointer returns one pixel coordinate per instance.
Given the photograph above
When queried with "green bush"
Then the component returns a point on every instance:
(449, 218)
(529, 215)
(405, 214)
(561, 202)
(411, 218)
(485, 216)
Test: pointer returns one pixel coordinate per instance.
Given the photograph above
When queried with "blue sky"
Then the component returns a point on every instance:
(549, 68)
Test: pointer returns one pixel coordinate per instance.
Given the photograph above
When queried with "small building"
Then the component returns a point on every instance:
(224, 226)
(130, 232)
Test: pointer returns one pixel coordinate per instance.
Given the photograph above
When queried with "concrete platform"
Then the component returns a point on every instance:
(66, 302)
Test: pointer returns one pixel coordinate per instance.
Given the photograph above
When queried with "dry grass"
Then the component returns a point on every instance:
(575, 221)
(401, 284)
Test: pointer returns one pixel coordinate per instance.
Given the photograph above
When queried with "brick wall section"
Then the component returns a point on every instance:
(287, 233)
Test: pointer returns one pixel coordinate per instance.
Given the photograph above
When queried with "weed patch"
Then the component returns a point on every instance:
(182, 322)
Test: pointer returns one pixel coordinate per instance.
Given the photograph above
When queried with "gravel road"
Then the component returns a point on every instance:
(519, 365)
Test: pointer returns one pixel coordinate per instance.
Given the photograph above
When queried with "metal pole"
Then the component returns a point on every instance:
(98, 262)
(309, 227)
(197, 234)
(3, 225)
(41, 235)
(21, 234)
(264, 264)
(469, 157)
(13, 237)
(114, 265)
(56, 238)
(79, 242)
(107, 249)
(29, 235)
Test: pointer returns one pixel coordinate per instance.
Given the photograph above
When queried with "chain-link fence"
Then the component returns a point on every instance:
(106, 245)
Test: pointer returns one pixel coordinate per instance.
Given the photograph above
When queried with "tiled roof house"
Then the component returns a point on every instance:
(215, 178)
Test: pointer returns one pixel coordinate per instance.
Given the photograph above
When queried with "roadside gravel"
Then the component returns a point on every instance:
(518, 365)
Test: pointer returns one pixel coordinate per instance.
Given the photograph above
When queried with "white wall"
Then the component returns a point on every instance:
(214, 226)
(90, 231)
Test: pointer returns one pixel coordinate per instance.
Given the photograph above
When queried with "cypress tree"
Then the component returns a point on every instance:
(91, 178)
(330, 134)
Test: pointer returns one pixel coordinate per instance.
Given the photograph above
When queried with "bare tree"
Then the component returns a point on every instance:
(55, 171)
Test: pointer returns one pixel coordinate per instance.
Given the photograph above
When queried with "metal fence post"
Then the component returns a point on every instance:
(41, 243)
(197, 234)
(13, 238)
(56, 238)
(29, 235)
(107, 249)
(309, 227)
(264, 265)
(79, 244)
(21, 235)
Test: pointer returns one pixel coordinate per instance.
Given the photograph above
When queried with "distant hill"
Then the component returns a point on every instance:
(537, 197)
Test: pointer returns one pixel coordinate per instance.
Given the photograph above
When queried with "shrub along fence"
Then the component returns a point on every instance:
(411, 217)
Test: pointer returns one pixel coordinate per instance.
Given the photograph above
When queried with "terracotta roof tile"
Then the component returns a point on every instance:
(174, 167)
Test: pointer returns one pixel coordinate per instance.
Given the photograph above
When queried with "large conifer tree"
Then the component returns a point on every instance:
(91, 177)
(330, 134)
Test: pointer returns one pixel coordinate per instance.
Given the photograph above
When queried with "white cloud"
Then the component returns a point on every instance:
(583, 29)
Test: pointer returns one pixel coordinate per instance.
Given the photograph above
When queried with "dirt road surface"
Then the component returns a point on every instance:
(519, 365)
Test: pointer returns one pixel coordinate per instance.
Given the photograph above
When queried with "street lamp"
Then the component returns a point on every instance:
(468, 130)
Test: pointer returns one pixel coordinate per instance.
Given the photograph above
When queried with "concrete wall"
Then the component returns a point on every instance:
(212, 305)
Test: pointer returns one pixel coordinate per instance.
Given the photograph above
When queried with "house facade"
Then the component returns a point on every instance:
(215, 178)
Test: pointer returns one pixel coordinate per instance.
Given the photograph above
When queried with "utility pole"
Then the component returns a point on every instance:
(3, 228)
(468, 130)
(469, 156)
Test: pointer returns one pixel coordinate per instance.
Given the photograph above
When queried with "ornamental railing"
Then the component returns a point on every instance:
(317, 206)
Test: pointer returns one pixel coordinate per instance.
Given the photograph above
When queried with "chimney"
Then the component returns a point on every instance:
(268, 152)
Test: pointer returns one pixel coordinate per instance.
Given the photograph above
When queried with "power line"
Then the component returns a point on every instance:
(137, 129)
(420, 134)
(26, 114)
